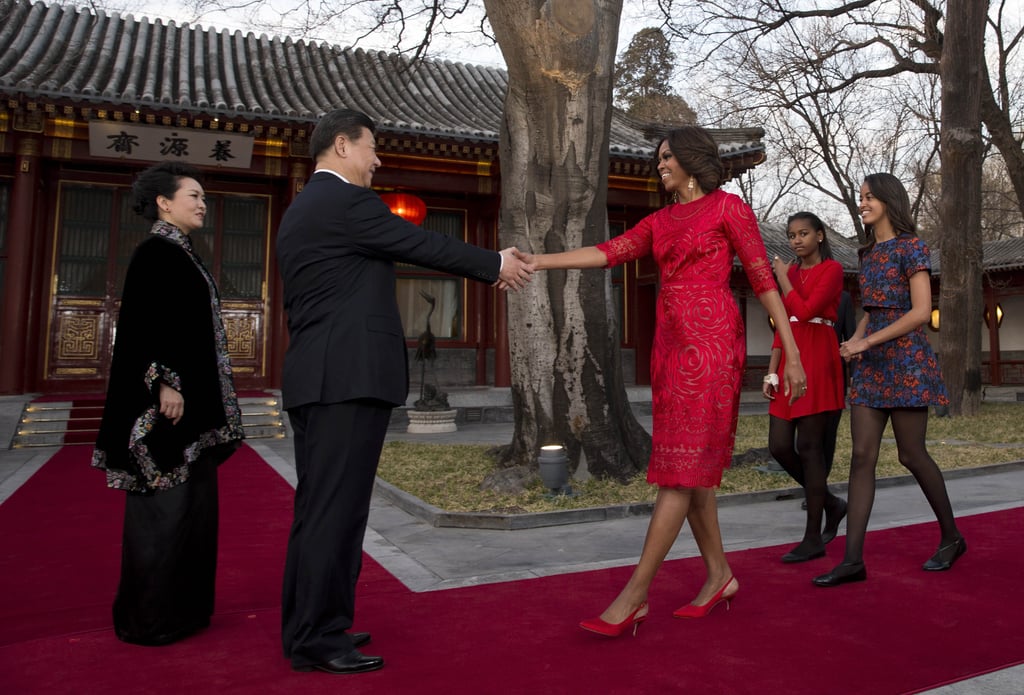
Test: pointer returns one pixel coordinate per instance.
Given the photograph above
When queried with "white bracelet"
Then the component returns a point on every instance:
(772, 379)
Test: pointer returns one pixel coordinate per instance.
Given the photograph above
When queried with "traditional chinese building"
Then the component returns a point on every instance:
(89, 98)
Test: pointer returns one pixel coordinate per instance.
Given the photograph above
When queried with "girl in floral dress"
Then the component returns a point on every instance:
(894, 373)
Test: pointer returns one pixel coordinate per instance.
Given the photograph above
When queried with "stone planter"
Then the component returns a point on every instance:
(431, 421)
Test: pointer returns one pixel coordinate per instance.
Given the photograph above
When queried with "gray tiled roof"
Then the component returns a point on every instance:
(844, 249)
(82, 56)
(1006, 254)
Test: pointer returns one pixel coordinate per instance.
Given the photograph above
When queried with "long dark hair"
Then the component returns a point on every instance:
(162, 179)
(697, 153)
(888, 189)
(824, 248)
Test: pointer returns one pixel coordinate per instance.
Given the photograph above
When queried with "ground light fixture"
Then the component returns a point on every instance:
(554, 469)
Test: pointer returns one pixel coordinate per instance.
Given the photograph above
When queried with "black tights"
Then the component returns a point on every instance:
(797, 446)
(909, 426)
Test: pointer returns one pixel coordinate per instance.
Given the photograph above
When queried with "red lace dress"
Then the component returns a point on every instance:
(699, 344)
(815, 295)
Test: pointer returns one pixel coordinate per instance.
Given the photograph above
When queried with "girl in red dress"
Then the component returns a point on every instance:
(811, 288)
(696, 362)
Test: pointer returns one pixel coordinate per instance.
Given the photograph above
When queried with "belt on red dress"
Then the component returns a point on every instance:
(816, 319)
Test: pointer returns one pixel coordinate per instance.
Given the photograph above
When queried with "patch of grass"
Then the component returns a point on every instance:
(449, 476)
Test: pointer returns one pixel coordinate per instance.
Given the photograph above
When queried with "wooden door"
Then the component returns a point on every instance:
(96, 232)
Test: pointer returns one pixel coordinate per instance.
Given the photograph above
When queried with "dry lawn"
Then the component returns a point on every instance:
(448, 476)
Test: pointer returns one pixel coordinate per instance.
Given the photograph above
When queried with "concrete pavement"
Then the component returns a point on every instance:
(426, 558)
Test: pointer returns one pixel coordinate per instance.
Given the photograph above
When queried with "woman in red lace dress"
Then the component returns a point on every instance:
(696, 362)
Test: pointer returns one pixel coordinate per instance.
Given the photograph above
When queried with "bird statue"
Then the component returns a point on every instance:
(426, 349)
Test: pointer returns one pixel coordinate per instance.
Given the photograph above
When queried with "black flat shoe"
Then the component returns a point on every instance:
(353, 662)
(832, 519)
(945, 556)
(359, 639)
(843, 573)
(799, 554)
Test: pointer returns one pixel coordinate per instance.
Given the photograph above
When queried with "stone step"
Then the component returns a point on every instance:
(45, 424)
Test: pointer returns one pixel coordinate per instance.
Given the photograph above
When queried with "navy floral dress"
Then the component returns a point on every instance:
(900, 373)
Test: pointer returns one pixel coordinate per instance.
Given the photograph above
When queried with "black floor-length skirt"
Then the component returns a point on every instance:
(169, 560)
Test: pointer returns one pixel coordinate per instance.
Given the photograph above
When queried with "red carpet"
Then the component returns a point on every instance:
(901, 631)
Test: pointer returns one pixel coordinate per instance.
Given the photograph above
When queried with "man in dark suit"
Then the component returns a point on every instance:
(345, 370)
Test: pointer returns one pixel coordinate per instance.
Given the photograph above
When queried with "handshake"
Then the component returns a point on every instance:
(516, 269)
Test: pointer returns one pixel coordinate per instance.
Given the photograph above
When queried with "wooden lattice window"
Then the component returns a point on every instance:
(446, 321)
(84, 241)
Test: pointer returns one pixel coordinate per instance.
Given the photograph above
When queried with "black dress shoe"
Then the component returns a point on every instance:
(843, 573)
(945, 556)
(353, 662)
(801, 554)
(359, 639)
(832, 519)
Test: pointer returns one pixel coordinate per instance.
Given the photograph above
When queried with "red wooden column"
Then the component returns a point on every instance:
(18, 272)
(278, 319)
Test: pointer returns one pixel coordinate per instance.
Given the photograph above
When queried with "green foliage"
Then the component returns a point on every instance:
(643, 76)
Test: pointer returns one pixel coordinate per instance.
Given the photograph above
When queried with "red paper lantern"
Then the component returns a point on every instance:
(406, 206)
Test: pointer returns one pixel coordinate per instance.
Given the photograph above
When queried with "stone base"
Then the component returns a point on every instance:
(431, 421)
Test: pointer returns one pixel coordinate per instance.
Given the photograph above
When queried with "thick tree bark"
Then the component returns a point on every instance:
(567, 385)
(960, 302)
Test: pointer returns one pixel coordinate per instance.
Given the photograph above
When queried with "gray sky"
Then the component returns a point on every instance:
(465, 44)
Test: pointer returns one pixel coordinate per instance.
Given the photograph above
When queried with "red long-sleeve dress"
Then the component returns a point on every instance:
(813, 301)
(699, 345)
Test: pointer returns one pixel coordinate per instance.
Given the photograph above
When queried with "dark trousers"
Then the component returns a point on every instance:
(169, 560)
(337, 449)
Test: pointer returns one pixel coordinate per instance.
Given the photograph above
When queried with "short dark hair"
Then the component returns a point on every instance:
(162, 179)
(697, 153)
(825, 248)
(338, 122)
(891, 191)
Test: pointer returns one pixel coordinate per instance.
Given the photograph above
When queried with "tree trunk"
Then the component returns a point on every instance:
(1000, 128)
(960, 302)
(567, 385)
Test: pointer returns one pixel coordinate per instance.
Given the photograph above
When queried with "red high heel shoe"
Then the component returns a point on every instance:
(692, 611)
(607, 629)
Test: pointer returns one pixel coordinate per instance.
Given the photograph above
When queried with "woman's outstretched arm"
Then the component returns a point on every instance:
(584, 257)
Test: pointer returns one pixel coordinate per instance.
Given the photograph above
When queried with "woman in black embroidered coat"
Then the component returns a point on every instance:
(171, 417)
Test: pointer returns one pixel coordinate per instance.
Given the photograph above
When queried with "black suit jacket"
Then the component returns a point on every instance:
(336, 249)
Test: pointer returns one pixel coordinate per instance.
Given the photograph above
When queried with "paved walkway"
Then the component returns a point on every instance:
(426, 558)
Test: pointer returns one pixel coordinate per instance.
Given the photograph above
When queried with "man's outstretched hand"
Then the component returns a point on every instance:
(515, 273)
